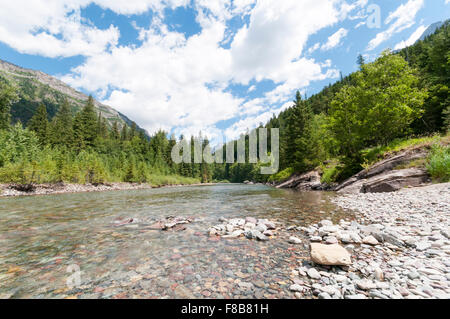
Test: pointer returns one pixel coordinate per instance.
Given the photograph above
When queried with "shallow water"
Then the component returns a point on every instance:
(45, 238)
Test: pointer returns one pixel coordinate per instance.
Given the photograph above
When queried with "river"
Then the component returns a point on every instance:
(46, 240)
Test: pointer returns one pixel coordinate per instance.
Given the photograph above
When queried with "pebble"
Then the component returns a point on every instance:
(370, 240)
(294, 240)
(313, 273)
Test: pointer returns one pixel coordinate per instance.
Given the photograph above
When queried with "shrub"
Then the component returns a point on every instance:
(439, 163)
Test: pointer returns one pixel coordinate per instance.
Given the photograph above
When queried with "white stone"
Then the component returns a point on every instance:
(370, 240)
(313, 273)
(294, 240)
(331, 255)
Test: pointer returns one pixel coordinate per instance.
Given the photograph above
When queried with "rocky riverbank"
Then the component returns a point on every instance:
(400, 248)
(10, 190)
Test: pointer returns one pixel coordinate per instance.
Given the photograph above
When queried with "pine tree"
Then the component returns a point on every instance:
(102, 127)
(85, 125)
(361, 61)
(298, 148)
(8, 96)
(61, 132)
(133, 131)
(124, 133)
(115, 134)
(39, 124)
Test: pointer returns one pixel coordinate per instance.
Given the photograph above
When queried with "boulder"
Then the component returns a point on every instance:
(307, 181)
(355, 184)
(330, 255)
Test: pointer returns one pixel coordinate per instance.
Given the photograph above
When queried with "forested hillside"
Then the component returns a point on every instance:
(35, 88)
(48, 136)
(400, 95)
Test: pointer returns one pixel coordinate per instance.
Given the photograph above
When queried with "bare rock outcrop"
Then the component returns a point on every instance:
(307, 181)
(382, 177)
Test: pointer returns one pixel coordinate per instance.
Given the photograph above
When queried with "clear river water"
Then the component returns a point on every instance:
(67, 246)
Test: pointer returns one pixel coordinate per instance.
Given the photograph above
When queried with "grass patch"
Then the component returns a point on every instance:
(418, 163)
(282, 176)
(161, 180)
(330, 172)
(375, 154)
(439, 163)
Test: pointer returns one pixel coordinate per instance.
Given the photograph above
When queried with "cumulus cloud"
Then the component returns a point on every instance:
(176, 83)
(401, 19)
(412, 39)
(335, 39)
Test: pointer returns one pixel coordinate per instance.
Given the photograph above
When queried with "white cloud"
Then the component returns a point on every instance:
(174, 82)
(276, 36)
(335, 39)
(412, 39)
(314, 48)
(402, 18)
(52, 29)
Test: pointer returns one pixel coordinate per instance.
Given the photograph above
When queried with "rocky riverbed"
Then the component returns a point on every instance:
(12, 190)
(400, 248)
(146, 244)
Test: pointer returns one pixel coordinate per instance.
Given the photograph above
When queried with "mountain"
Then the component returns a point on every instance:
(35, 87)
(431, 30)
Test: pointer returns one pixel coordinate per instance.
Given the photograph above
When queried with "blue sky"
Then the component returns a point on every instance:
(216, 66)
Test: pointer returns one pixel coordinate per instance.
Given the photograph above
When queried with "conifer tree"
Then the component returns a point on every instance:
(124, 133)
(61, 130)
(85, 125)
(39, 124)
(8, 96)
(102, 127)
(361, 61)
(115, 134)
(298, 148)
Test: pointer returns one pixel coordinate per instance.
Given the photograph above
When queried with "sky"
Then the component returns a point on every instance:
(218, 67)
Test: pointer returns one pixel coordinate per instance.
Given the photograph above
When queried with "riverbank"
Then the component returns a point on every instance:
(8, 190)
(400, 247)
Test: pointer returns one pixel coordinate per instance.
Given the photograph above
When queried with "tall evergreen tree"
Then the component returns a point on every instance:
(102, 127)
(8, 96)
(361, 61)
(61, 132)
(124, 133)
(297, 149)
(85, 125)
(115, 134)
(133, 131)
(39, 124)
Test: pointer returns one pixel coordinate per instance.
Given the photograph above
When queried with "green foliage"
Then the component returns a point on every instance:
(39, 124)
(432, 58)
(380, 106)
(330, 173)
(18, 145)
(85, 126)
(282, 176)
(8, 96)
(61, 128)
(439, 163)
(374, 154)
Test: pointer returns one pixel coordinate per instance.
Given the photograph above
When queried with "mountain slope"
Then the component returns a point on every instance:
(35, 87)
(431, 30)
